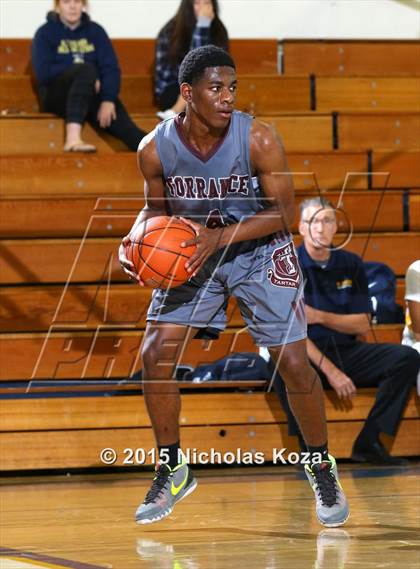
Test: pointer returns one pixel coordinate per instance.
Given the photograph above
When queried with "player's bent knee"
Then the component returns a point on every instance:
(150, 356)
(289, 363)
(297, 375)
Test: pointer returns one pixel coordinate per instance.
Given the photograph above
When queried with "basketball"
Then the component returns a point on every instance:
(156, 253)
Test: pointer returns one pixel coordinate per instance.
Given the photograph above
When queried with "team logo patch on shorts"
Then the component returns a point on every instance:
(286, 269)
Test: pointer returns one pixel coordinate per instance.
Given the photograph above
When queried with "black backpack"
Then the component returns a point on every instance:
(242, 366)
(382, 291)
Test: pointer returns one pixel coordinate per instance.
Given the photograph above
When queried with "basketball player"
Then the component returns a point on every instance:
(226, 175)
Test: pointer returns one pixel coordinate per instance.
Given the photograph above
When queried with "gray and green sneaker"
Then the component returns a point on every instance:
(168, 488)
(332, 509)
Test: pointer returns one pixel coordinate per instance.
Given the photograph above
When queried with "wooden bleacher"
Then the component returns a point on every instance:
(95, 259)
(392, 130)
(35, 133)
(311, 170)
(351, 58)
(346, 122)
(258, 94)
(71, 431)
(367, 94)
(35, 308)
(395, 169)
(23, 216)
(136, 56)
(414, 209)
(81, 351)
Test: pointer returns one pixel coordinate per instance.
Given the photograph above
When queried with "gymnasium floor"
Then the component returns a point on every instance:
(247, 518)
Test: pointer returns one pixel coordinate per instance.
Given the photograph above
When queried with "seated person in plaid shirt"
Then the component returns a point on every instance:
(195, 24)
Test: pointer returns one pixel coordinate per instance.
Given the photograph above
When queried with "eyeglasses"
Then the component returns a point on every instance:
(324, 221)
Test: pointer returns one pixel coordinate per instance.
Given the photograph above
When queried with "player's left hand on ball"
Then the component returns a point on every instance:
(207, 242)
(127, 266)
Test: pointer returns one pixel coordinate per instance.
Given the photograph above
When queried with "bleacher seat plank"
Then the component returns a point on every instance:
(398, 250)
(338, 57)
(91, 260)
(71, 388)
(130, 411)
(302, 57)
(98, 354)
(137, 93)
(302, 131)
(112, 354)
(25, 135)
(73, 216)
(400, 292)
(367, 94)
(396, 169)
(270, 95)
(136, 55)
(17, 93)
(15, 56)
(329, 170)
(81, 448)
(22, 134)
(369, 210)
(391, 334)
(44, 133)
(227, 408)
(70, 174)
(262, 94)
(390, 131)
(255, 55)
(52, 260)
(67, 217)
(79, 175)
(414, 211)
(36, 308)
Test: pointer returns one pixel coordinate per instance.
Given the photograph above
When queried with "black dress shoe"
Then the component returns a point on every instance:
(376, 453)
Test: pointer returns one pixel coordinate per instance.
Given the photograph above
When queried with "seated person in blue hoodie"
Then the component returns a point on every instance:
(78, 76)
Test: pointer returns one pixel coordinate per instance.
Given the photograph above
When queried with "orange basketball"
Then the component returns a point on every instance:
(156, 253)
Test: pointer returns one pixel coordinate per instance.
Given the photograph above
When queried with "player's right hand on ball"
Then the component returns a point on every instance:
(127, 266)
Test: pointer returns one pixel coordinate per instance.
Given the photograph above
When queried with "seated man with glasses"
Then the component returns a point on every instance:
(337, 311)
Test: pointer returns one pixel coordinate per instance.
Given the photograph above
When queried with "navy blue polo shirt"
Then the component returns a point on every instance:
(341, 287)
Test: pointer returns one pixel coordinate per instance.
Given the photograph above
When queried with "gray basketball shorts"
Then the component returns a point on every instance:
(267, 283)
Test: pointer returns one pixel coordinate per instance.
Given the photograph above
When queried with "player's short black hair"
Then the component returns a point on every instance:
(195, 62)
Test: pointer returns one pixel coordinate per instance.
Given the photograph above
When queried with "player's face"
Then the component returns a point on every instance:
(70, 11)
(213, 96)
(318, 227)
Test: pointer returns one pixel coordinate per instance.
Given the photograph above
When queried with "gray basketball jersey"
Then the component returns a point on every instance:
(263, 274)
(216, 189)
